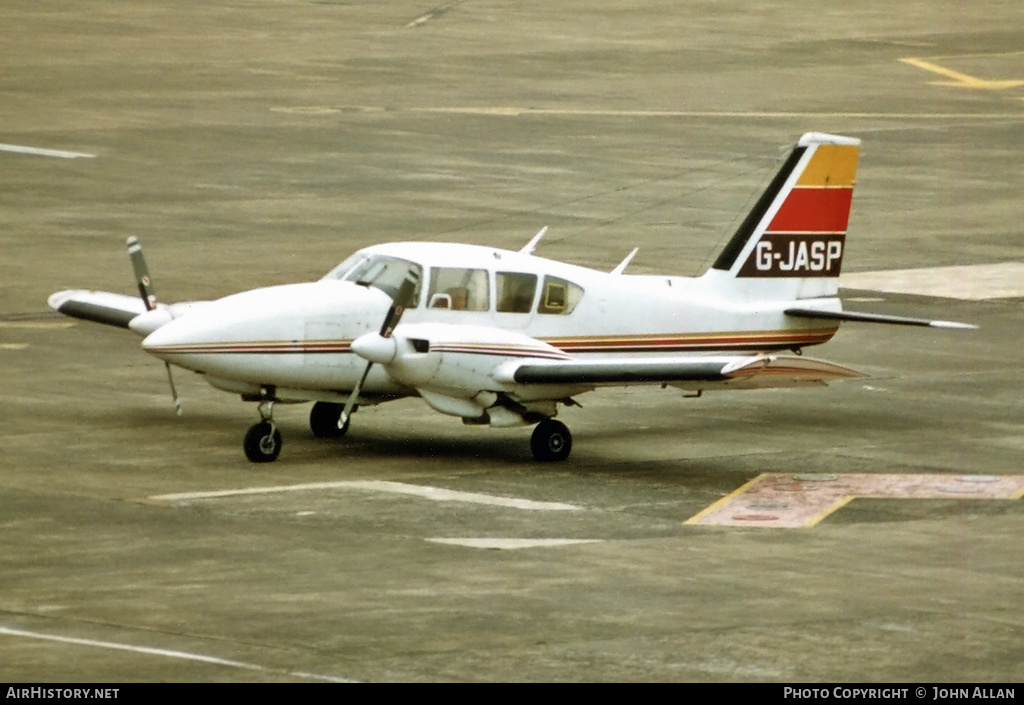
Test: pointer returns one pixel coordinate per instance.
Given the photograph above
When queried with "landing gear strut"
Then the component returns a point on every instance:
(324, 419)
(551, 441)
(262, 442)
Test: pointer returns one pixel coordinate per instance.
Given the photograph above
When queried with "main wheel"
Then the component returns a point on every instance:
(262, 443)
(323, 420)
(551, 440)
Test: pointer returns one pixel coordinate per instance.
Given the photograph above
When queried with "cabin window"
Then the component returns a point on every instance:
(559, 296)
(515, 291)
(385, 273)
(459, 289)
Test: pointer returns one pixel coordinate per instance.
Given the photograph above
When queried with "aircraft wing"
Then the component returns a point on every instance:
(687, 372)
(98, 306)
(119, 310)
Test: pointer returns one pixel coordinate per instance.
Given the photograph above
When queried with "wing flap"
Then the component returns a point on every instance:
(691, 372)
(774, 371)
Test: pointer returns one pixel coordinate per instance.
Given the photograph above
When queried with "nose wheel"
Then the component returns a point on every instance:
(551, 441)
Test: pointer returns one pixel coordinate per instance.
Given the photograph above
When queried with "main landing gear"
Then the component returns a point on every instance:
(263, 441)
(324, 420)
(551, 441)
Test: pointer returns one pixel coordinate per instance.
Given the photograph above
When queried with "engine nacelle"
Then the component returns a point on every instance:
(462, 360)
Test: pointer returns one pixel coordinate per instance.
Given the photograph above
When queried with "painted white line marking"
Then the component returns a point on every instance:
(306, 110)
(170, 653)
(13, 346)
(514, 111)
(42, 325)
(39, 152)
(437, 11)
(511, 544)
(436, 494)
(971, 282)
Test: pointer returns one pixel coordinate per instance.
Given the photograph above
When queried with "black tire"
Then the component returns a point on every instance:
(323, 420)
(551, 441)
(262, 443)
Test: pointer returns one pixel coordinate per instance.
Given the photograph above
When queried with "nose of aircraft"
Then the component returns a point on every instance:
(179, 340)
(224, 335)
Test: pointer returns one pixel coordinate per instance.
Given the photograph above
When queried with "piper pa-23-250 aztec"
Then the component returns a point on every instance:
(501, 338)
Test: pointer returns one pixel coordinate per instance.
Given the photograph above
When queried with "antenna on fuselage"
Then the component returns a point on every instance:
(625, 263)
(532, 244)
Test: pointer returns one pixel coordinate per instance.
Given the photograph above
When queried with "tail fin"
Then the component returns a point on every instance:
(790, 246)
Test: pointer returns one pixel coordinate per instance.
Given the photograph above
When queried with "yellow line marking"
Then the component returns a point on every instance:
(831, 510)
(732, 495)
(959, 79)
(13, 346)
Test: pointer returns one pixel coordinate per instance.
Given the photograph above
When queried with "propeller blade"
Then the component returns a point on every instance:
(403, 299)
(142, 279)
(351, 403)
(174, 392)
(145, 285)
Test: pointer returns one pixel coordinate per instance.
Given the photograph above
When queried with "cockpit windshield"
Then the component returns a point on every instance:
(380, 271)
(345, 267)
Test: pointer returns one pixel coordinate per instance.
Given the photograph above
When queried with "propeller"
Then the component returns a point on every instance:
(141, 273)
(381, 347)
(145, 285)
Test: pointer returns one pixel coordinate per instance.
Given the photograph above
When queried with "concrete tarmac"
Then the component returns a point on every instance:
(256, 143)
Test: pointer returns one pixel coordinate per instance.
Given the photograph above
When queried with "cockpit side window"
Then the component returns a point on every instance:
(459, 289)
(559, 296)
(515, 291)
(384, 273)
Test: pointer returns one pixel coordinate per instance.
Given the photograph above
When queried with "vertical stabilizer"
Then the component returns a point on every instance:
(791, 243)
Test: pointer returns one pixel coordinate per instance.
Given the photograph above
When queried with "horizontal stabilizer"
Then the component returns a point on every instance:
(874, 318)
(98, 306)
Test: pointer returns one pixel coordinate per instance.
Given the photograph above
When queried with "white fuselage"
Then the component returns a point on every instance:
(296, 340)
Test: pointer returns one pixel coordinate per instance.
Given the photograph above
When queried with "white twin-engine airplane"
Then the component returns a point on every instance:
(502, 338)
